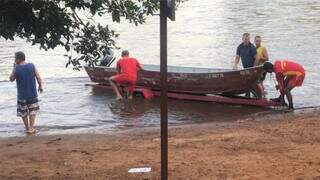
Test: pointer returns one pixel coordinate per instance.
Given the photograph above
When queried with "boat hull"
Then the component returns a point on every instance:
(188, 80)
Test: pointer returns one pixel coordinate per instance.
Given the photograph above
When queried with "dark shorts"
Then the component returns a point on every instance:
(27, 107)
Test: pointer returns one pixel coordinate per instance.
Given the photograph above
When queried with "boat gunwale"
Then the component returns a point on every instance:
(227, 71)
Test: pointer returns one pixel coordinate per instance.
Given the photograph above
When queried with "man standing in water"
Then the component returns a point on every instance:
(262, 54)
(26, 75)
(289, 75)
(246, 51)
(262, 57)
(127, 68)
(248, 54)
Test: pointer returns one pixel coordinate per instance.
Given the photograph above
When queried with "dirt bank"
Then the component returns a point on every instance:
(282, 146)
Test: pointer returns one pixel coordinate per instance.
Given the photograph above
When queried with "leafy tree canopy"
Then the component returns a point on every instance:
(70, 23)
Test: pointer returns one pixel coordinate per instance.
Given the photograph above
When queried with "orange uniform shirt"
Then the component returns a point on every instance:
(128, 66)
(291, 70)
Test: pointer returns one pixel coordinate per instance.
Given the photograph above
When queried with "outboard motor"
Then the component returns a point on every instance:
(108, 58)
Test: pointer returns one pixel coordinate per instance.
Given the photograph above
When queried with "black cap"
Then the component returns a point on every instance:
(267, 66)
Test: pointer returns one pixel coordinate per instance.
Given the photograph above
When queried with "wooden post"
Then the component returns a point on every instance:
(164, 89)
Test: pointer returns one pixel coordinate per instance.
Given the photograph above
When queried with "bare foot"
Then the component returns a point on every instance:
(31, 131)
(288, 110)
(119, 98)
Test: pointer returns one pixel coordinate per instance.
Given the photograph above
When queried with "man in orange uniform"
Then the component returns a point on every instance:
(289, 75)
(127, 68)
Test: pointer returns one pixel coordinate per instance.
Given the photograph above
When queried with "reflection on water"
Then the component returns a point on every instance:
(205, 34)
(83, 109)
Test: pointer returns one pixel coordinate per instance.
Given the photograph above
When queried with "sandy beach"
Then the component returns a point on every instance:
(281, 146)
(211, 51)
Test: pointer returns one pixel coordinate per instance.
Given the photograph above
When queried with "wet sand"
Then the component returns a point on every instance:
(281, 146)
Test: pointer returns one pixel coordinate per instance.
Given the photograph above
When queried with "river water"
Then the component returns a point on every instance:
(205, 34)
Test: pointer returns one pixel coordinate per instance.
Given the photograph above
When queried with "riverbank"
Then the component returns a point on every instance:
(281, 146)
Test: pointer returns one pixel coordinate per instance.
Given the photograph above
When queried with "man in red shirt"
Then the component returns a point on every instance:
(127, 68)
(289, 75)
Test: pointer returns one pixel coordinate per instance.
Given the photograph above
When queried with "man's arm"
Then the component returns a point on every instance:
(265, 55)
(39, 80)
(13, 74)
(236, 62)
(140, 66)
(255, 55)
(256, 60)
(237, 58)
(118, 67)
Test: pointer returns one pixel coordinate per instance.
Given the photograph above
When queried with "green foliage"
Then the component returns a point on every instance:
(70, 23)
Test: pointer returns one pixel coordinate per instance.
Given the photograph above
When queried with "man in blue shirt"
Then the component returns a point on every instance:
(26, 75)
(247, 52)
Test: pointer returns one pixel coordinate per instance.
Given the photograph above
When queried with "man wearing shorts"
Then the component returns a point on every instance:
(127, 68)
(26, 75)
(289, 75)
(262, 56)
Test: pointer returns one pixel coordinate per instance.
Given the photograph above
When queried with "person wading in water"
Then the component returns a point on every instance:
(127, 68)
(247, 52)
(262, 57)
(26, 75)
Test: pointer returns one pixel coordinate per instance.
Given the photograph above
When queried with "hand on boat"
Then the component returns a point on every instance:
(235, 67)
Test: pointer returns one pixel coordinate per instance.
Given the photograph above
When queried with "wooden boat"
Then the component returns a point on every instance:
(188, 80)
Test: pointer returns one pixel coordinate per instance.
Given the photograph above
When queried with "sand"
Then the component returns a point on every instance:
(281, 146)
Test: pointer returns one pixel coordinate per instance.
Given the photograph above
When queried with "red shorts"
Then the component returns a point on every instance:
(126, 81)
(296, 81)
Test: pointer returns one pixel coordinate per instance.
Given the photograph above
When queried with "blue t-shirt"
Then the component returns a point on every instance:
(26, 81)
(247, 54)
